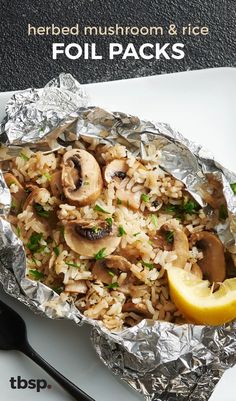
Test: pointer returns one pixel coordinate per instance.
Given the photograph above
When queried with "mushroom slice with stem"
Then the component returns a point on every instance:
(88, 237)
(175, 237)
(116, 170)
(18, 193)
(213, 262)
(139, 309)
(81, 177)
(104, 270)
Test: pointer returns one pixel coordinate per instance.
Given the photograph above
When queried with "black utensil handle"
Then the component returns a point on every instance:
(70, 387)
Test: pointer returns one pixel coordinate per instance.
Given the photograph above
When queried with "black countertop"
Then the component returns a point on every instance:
(27, 60)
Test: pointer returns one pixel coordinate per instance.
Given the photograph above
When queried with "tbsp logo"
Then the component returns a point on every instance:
(21, 384)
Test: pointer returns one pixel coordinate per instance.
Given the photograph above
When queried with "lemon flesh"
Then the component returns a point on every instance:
(193, 297)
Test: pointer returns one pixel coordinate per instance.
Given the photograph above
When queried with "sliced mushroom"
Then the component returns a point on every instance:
(81, 177)
(103, 270)
(213, 263)
(116, 169)
(179, 243)
(34, 199)
(88, 237)
(19, 196)
(36, 196)
(139, 309)
(76, 287)
(128, 198)
(197, 271)
(56, 184)
(118, 262)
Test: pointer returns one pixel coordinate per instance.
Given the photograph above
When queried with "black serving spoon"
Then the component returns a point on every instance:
(13, 336)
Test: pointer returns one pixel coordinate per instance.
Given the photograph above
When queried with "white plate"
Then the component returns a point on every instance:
(201, 105)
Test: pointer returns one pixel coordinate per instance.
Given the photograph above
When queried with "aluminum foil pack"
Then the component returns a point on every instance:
(161, 360)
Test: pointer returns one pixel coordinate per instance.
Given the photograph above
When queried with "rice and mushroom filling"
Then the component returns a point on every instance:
(101, 228)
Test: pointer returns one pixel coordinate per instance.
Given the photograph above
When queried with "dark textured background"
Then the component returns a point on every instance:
(27, 61)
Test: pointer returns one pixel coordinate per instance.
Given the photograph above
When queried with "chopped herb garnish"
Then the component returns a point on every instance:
(34, 242)
(112, 286)
(96, 230)
(72, 264)
(86, 182)
(169, 236)
(41, 211)
(121, 231)
(48, 176)
(24, 157)
(109, 221)
(233, 187)
(223, 213)
(154, 220)
(190, 207)
(119, 201)
(100, 209)
(34, 261)
(56, 250)
(18, 231)
(135, 235)
(149, 265)
(170, 208)
(13, 204)
(100, 254)
(144, 198)
(58, 290)
(111, 273)
(36, 274)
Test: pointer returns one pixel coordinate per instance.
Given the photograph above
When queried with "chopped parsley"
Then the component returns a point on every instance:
(190, 207)
(169, 235)
(111, 273)
(144, 198)
(100, 209)
(56, 250)
(86, 183)
(135, 234)
(121, 231)
(112, 286)
(13, 204)
(233, 187)
(37, 275)
(58, 290)
(149, 265)
(154, 220)
(34, 242)
(72, 264)
(48, 176)
(96, 229)
(170, 208)
(109, 221)
(223, 213)
(24, 157)
(119, 201)
(41, 211)
(100, 254)
(18, 231)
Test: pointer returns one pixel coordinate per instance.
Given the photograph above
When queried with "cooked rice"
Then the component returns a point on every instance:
(140, 203)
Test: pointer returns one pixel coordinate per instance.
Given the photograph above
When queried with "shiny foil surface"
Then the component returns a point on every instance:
(161, 360)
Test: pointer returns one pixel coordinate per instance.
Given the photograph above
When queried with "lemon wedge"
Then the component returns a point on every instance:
(193, 297)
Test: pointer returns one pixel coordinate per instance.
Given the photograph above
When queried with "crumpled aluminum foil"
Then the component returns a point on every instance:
(161, 360)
